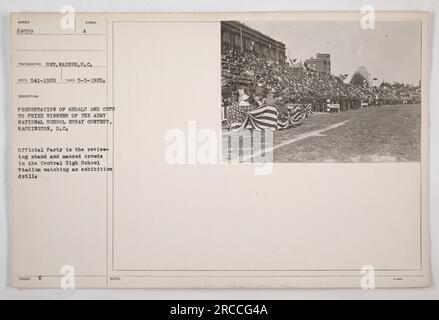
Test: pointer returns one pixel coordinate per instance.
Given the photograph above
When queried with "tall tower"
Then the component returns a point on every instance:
(326, 57)
(321, 63)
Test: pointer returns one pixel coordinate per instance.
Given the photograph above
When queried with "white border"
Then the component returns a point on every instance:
(198, 5)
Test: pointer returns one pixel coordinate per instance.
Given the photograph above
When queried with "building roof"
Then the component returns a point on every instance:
(253, 32)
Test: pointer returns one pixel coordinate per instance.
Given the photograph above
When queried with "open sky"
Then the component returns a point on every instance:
(390, 52)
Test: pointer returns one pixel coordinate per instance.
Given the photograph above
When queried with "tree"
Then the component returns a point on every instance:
(361, 77)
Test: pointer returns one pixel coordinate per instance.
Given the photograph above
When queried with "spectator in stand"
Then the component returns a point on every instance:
(259, 77)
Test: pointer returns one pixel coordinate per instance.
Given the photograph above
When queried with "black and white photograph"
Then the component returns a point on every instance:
(322, 91)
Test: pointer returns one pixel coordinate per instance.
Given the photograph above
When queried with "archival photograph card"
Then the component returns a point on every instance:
(219, 150)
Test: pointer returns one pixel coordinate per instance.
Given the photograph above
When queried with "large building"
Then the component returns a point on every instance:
(321, 63)
(238, 36)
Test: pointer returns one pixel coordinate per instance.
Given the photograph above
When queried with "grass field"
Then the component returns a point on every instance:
(389, 133)
(385, 134)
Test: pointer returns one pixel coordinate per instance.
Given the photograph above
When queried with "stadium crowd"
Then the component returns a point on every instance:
(260, 77)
